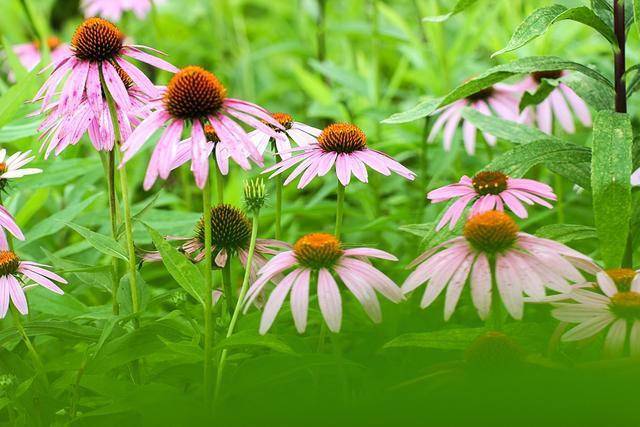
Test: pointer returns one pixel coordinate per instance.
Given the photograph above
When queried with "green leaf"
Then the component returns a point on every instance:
(252, 339)
(566, 233)
(60, 172)
(543, 91)
(423, 109)
(504, 129)
(53, 328)
(102, 243)
(13, 61)
(540, 20)
(16, 96)
(610, 171)
(566, 159)
(594, 93)
(636, 13)
(460, 6)
(54, 223)
(446, 339)
(184, 272)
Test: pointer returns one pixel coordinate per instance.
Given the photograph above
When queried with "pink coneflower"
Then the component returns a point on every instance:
(12, 167)
(196, 97)
(618, 309)
(344, 145)
(230, 236)
(303, 135)
(30, 56)
(501, 100)
(98, 47)
(557, 104)
(322, 254)
(635, 178)
(113, 9)
(8, 223)
(490, 191)
(62, 129)
(523, 264)
(13, 272)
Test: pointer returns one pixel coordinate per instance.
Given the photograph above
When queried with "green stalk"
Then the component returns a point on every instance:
(110, 173)
(279, 187)
(128, 222)
(208, 285)
(219, 185)
(243, 292)
(339, 209)
(494, 322)
(30, 347)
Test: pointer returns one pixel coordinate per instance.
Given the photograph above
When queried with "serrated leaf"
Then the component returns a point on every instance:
(504, 129)
(540, 20)
(253, 339)
(566, 159)
(183, 271)
(566, 233)
(611, 187)
(102, 243)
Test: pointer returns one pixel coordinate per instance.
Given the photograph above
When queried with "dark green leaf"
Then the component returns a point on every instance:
(566, 233)
(253, 339)
(504, 129)
(102, 243)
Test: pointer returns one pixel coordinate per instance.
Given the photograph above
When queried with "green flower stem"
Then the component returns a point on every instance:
(208, 285)
(226, 284)
(279, 186)
(110, 173)
(219, 185)
(238, 307)
(128, 222)
(17, 321)
(494, 321)
(339, 209)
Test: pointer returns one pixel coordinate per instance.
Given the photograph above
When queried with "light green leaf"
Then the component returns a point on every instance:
(460, 6)
(636, 13)
(253, 339)
(540, 20)
(610, 171)
(60, 172)
(504, 129)
(422, 110)
(446, 339)
(16, 95)
(102, 243)
(566, 233)
(183, 271)
(594, 93)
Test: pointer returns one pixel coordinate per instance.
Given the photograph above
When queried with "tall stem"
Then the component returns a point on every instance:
(225, 273)
(30, 347)
(110, 173)
(219, 185)
(278, 194)
(321, 31)
(339, 209)
(243, 292)
(208, 285)
(494, 322)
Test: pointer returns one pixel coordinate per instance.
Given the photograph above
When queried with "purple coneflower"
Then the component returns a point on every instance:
(196, 97)
(490, 191)
(345, 146)
(522, 263)
(113, 9)
(322, 255)
(8, 223)
(98, 48)
(30, 56)
(618, 309)
(557, 104)
(61, 129)
(13, 272)
(501, 100)
(303, 135)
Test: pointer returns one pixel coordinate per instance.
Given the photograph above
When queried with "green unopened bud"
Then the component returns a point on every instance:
(254, 194)
(6, 381)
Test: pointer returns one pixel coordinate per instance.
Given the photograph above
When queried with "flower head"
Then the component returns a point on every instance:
(559, 103)
(13, 272)
(12, 167)
(345, 146)
(195, 97)
(500, 100)
(322, 255)
(490, 190)
(113, 9)
(30, 56)
(291, 130)
(8, 223)
(98, 51)
(616, 308)
(523, 264)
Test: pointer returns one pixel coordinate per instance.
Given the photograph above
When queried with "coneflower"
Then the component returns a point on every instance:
(113, 9)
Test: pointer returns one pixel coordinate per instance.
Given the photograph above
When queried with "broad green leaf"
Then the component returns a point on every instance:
(460, 6)
(61, 172)
(594, 93)
(253, 339)
(56, 222)
(53, 328)
(19, 130)
(124, 294)
(566, 159)
(184, 272)
(544, 90)
(566, 233)
(610, 171)
(495, 75)
(102, 243)
(540, 20)
(16, 95)
(636, 13)
(504, 129)
(446, 339)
